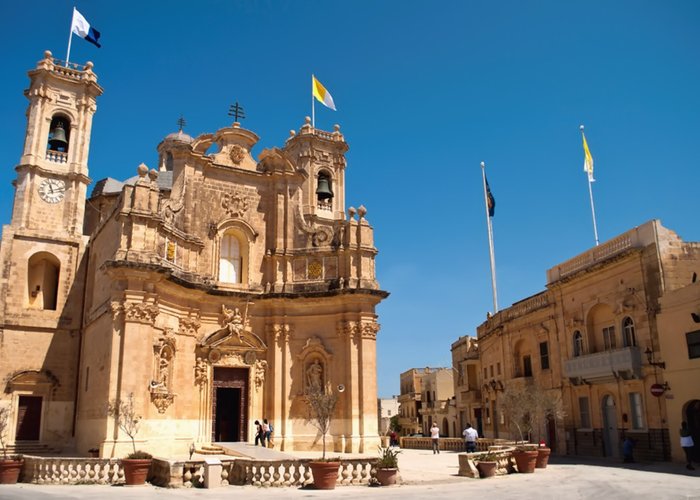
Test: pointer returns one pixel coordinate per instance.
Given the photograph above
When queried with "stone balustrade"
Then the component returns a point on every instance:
(56, 470)
(451, 444)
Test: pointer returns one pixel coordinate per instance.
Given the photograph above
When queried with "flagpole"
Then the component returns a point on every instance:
(491, 252)
(313, 104)
(70, 37)
(590, 192)
(590, 188)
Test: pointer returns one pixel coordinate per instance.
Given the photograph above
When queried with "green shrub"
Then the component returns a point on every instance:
(139, 455)
(388, 458)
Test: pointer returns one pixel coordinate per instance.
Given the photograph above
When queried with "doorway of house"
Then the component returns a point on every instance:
(28, 418)
(610, 427)
(230, 404)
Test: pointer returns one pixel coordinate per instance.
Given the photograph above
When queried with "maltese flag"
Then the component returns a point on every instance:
(82, 28)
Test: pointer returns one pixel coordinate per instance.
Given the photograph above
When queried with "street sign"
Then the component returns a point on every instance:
(657, 390)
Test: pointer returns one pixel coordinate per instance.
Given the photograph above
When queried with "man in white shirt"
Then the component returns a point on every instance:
(435, 436)
(470, 437)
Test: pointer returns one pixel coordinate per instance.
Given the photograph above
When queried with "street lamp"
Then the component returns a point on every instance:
(650, 359)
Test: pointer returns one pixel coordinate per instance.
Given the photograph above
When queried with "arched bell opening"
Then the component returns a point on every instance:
(324, 190)
(59, 134)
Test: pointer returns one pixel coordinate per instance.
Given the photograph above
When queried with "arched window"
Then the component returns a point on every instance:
(628, 332)
(230, 259)
(578, 344)
(42, 281)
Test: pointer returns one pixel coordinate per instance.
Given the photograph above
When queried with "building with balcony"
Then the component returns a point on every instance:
(410, 402)
(438, 398)
(595, 336)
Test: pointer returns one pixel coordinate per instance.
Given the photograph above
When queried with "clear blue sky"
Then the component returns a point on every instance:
(425, 91)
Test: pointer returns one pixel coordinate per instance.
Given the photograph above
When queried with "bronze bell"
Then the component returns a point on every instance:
(324, 189)
(58, 140)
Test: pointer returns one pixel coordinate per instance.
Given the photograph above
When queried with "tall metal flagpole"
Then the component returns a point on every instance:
(491, 252)
(70, 37)
(590, 193)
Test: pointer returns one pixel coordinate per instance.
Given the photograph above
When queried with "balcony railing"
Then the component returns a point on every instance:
(625, 363)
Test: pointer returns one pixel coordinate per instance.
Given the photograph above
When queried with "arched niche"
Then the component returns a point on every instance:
(43, 271)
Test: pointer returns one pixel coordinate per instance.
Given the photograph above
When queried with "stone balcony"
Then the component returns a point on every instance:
(623, 363)
(468, 397)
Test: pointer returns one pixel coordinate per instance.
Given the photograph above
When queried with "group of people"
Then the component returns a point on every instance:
(470, 436)
(263, 433)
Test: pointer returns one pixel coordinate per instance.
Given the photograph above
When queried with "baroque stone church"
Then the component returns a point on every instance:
(212, 289)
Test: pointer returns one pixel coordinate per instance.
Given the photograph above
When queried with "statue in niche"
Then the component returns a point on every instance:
(164, 365)
(314, 375)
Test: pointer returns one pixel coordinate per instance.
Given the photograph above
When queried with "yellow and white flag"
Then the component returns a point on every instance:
(321, 94)
(587, 159)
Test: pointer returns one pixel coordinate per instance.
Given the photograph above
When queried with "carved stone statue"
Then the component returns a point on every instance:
(233, 320)
(314, 375)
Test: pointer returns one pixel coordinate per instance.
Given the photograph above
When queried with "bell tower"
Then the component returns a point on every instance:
(52, 175)
(41, 254)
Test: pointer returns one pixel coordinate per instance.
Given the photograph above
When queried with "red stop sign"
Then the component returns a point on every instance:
(657, 389)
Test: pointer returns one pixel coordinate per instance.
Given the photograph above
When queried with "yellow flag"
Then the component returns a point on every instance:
(587, 158)
(321, 94)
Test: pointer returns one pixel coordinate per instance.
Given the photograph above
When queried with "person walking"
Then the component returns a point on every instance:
(259, 437)
(687, 445)
(435, 436)
(267, 428)
(470, 437)
(264, 431)
(628, 450)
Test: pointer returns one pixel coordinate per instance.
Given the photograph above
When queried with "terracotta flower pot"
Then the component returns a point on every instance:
(9, 470)
(525, 460)
(325, 474)
(543, 457)
(387, 477)
(136, 470)
(487, 469)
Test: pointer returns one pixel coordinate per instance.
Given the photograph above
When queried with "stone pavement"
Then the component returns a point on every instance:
(425, 475)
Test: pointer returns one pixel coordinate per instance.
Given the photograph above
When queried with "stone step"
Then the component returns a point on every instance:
(31, 448)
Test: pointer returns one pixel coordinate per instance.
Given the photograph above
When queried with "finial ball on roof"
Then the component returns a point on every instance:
(307, 119)
(48, 54)
(336, 127)
(153, 174)
(142, 170)
(88, 65)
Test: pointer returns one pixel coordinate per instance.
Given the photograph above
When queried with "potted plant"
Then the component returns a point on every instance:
(10, 466)
(138, 463)
(387, 465)
(519, 405)
(487, 465)
(322, 402)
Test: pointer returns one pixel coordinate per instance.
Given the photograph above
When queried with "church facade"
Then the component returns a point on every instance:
(212, 290)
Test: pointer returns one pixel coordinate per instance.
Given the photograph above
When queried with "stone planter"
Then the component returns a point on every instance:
(136, 470)
(387, 477)
(487, 469)
(325, 474)
(9, 470)
(543, 457)
(525, 460)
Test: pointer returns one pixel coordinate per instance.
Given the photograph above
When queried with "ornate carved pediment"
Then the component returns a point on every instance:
(31, 378)
(236, 333)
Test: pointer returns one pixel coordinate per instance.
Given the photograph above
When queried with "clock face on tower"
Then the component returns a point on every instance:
(52, 190)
